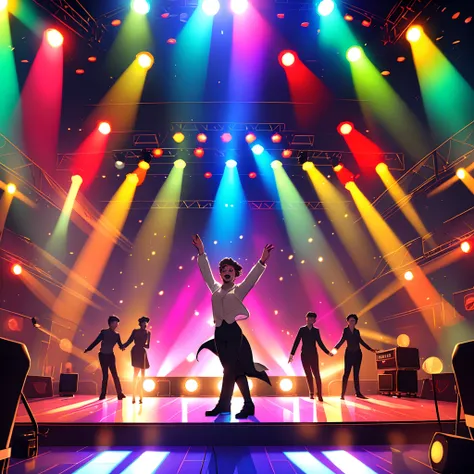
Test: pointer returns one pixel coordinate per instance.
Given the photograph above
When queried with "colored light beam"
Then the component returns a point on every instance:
(95, 254)
(263, 163)
(466, 178)
(105, 462)
(28, 14)
(147, 463)
(191, 56)
(365, 151)
(343, 219)
(447, 97)
(449, 182)
(401, 199)
(5, 204)
(306, 462)
(347, 463)
(41, 105)
(9, 88)
(152, 246)
(396, 255)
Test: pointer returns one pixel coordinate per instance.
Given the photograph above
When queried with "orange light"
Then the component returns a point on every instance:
(54, 38)
(466, 246)
(201, 138)
(11, 188)
(199, 152)
(116, 22)
(104, 128)
(286, 153)
(80, 72)
(414, 34)
(143, 165)
(157, 152)
(276, 138)
(338, 168)
(17, 269)
(348, 17)
(250, 137)
(345, 128)
(178, 137)
(145, 60)
(92, 59)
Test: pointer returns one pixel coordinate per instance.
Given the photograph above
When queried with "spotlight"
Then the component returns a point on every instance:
(307, 165)
(76, 179)
(344, 128)
(450, 453)
(3, 4)
(201, 138)
(286, 153)
(132, 178)
(276, 164)
(302, 157)
(239, 6)
(336, 163)
(226, 137)
(403, 340)
(286, 385)
(210, 7)
(257, 149)
(120, 165)
(104, 128)
(208, 175)
(17, 269)
(157, 152)
(11, 188)
(142, 7)
(252, 175)
(178, 137)
(145, 60)
(414, 33)
(333, 351)
(149, 385)
(276, 138)
(408, 276)
(461, 173)
(250, 138)
(191, 385)
(381, 168)
(119, 159)
(287, 58)
(144, 160)
(199, 152)
(354, 54)
(325, 7)
(180, 164)
(54, 38)
(231, 163)
(466, 246)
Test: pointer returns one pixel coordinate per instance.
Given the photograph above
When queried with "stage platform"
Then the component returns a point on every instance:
(279, 420)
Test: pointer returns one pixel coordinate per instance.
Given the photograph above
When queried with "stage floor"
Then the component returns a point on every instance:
(378, 408)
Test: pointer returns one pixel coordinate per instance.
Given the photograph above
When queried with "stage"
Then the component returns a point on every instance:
(278, 420)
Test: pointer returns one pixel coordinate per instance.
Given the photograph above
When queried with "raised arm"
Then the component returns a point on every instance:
(204, 265)
(129, 340)
(99, 338)
(341, 341)
(365, 344)
(147, 343)
(321, 343)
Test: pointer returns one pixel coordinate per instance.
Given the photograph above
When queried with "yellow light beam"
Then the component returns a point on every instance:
(467, 180)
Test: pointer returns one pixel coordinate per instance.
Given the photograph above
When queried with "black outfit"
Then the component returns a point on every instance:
(352, 357)
(141, 338)
(309, 356)
(108, 339)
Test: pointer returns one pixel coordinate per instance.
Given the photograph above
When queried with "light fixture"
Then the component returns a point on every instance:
(414, 34)
(210, 7)
(178, 137)
(11, 188)
(276, 164)
(149, 385)
(54, 38)
(104, 128)
(180, 164)
(286, 385)
(17, 269)
(145, 60)
(325, 7)
(354, 54)
(231, 163)
(258, 149)
(142, 7)
(191, 385)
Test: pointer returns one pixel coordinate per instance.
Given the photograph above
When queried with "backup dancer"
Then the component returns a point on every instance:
(108, 338)
(309, 354)
(229, 343)
(353, 354)
(141, 338)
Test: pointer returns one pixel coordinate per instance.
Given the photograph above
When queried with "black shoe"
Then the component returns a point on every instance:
(247, 410)
(320, 398)
(133, 400)
(362, 397)
(141, 401)
(218, 410)
(102, 396)
(121, 396)
(311, 396)
(342, 397)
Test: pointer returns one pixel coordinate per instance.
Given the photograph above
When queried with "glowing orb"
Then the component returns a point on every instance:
(414, 34)
(54, 38)
(307, 165)
(345, 128)
(403, 340)
(104, 128)
(325, 7)
(466, 247)
(408, 276)
(258, 150)
(11, 188)
(3, 4)
(201, 138)
(210, 7)
(333, 351)
(65, 345)
(17, 269)
(231, 163)
(178, 137)
(191, 385)
(437, 452)
(145, 60)
(287, 58)
(354, 54)
(276, 164)
(433, 365)
(461, 173)
(286, 153)
(120, 165)
(76, 179)
(286, 385)
(132, 178)
(142, 7)
(191, 357)
(250, 137)
(149, 385)
(180, 164)
(239, 6)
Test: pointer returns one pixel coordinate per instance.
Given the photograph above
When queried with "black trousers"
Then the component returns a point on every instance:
(107, 362)
(352, 359)
(228, 339)
(311, 368)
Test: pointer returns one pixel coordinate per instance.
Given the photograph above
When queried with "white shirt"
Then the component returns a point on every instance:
(227, 304)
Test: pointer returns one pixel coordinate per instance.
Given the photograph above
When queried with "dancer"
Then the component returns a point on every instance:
(108, 338)
(309, 353)
(229, 343)
(141, 338)
(353, 354)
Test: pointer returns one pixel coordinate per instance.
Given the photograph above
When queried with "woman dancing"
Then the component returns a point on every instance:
(353, 354)
(229, 343)
(141, 338)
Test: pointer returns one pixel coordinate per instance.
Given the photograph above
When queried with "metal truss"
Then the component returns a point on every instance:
(236, 127)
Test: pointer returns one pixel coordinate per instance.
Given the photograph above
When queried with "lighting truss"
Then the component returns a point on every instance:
(197, 127)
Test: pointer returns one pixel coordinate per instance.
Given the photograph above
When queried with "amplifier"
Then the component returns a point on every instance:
(38, 387)
(400, 358)
(398, 381)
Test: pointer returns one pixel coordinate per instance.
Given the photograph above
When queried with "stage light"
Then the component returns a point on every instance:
(76, 179)
(180, 164)
(208, 174)
(344, 128)
(210, 7)
(145, 60)
(157, 152)
(436, 452)
(250, 138)
(120, 165)
(286, 153)
(239, 6)
(432, 365)
(104, 128)
(191, 385)
(142, 7)
(258, 149)
(302, 157)
(17, 269)
(307, 165)
(178, 137)
(149, 385)
(414, 33)
(11, 188)
(408, 276)
(287, 58)
(132, 178)
(226, 137)
(461, 173)
(333, 351)
(336, 163)
(276, 164)
(252, 175)
(144, 160)
(403, 340)
(354, 54)
(348, 184)
(199, 152)
(451, 454)
(276, 138)
(143, 165)
(231, 163)
(325, 7)
(3, 4)
(201, 138)
(466, 246)
(286, 385)
(54, 38)
(381, 168)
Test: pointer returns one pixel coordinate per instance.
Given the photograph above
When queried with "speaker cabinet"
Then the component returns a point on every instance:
(398, 382)
(68, 384)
